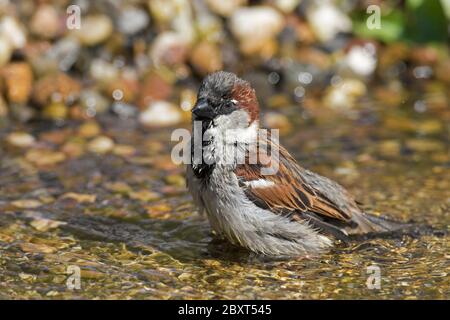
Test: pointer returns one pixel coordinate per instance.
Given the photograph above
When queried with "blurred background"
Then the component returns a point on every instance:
(90, 92)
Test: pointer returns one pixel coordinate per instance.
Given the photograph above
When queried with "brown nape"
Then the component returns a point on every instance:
(246, 97)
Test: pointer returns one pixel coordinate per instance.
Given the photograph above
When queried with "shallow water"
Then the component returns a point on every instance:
(132, 244)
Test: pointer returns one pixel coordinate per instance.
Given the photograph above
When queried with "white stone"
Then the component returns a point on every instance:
(132, 20)
(225, 8)
(327, 20)
(362, 60)
(160, 114)
(20, 139)
(256, 23)
(168, 48)
(94, 29)
(13, 31)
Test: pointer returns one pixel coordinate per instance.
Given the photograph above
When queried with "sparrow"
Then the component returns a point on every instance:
(289, 211)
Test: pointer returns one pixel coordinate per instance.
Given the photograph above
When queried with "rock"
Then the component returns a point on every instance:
(37, 248)
(94, 29)
(344, 94)
(45, 22)
(73, 148)
(118, 187)
(326, 20)
(206, 57)
(44, 225)
(124, 89)
(65, 53)
(19, 81)
(225, 8)
(3, 108)
(89, 129)
(159, 211)
(103, 72)
(123, 150)
(362, 60)
(144, 195)
(101, 145)
(169, 48)
(20, 139)
(277, 121)
(160, 114)
(154, 88)
(44, 157)
(93, 102)
(27, 203)
(175, 15)
(255, 27)
(287, 6)
(13, 30)
(6, 50)
(176, 180)
(56, 87)
(55, 111)
(132, 20)
(79, 197)
(425, 145)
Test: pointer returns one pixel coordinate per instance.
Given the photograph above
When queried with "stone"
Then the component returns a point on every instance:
(169, 48)
(20, 139)
(101, 145)
(206, 57)
(160, 114)
(255, 27)
(46, 22)
(18, 81)
(94, 30)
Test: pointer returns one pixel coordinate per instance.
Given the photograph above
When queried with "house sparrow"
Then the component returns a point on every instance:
(290, 212)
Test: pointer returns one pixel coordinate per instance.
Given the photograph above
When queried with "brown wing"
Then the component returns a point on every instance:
(293, 191)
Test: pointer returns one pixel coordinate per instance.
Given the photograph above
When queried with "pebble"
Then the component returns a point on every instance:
(27, 204)
(255, 27)
(144, 195)
(20, 139)
(44, 225)
(206, 57)
(93, 102)
(326, 20)
(132, 20)
(103, 72)
(56, 87)
(160, 114)
(278, 121)
(18, 81)
(344, 95)
(3, 108)
(225, 8)
(362, 60)
(94, 30)
(37, 248)
(44, 157)
(6, 50)
(55, 111)
(101, 145)
(155, 87)
(13, 30)
(89, 129)
(169, 48)
(286, 6)
(79, 197)
(45, 22)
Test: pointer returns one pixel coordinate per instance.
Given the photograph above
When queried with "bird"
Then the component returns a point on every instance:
(253, 191)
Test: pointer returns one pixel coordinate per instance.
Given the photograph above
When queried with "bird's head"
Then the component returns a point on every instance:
(225, 97)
